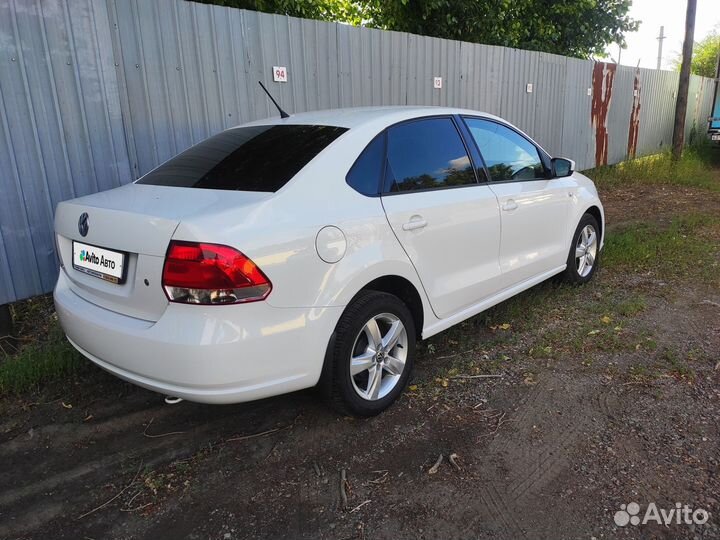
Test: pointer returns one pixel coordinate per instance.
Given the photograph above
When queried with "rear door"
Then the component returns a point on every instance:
(447, 222)
(533, 207)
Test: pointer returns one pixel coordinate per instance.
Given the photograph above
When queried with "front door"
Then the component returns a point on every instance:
(533, 208)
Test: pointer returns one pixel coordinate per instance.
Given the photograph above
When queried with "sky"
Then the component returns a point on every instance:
(642, 45)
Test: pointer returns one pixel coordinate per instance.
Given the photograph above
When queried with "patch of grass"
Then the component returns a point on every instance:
(677, 367)
(695, 168)
(527, 308)
(588, 323)
(631, 306)
(686, 247)
(647, 343)
(52, 358)
(641, 374)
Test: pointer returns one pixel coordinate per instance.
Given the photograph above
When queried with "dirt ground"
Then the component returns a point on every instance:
(599, 396)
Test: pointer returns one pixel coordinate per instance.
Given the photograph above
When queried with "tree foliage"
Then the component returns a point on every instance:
(705, 56)
(570, 27)
(326, 10)
(578, 28)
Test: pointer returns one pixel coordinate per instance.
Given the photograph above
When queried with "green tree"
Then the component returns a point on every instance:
(578, 28)
(326, 10)
(705, 55)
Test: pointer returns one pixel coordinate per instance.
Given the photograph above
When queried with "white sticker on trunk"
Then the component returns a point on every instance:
(99, 262)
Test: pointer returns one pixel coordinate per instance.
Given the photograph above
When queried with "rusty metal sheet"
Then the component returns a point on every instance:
(602, 85)
(634, 129)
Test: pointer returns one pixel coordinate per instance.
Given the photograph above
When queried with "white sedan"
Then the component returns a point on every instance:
(316, 250)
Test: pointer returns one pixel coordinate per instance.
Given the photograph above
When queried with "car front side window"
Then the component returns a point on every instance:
(507, 154)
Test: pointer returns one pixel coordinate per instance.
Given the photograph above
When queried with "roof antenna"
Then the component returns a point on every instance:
(283, 114)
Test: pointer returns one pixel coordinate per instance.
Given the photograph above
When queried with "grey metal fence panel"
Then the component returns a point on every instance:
(480, 72)
(549, 88)
(706, 104)
(577, 133)
(618, 120)
(653, 133)
(693, 98)
(699, 100)
(94, 93)
(517, 105)
(669, 84)
(61, 133)
(373, 66)
(315, 57)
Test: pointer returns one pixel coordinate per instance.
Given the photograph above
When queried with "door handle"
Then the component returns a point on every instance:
(510, 205)
(416, 222)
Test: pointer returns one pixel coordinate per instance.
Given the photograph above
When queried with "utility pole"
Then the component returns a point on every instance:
(660, 40)
(682, 96)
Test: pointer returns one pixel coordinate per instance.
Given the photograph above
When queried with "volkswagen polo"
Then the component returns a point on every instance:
(316, 250)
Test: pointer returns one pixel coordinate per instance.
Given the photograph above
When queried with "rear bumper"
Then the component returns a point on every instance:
(211, 354)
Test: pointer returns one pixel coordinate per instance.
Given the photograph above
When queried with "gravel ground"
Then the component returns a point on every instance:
(600, 396)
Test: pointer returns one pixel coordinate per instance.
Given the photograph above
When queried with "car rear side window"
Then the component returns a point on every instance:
(258, 158)
(507, 154)
(365, 174)
(426, 154)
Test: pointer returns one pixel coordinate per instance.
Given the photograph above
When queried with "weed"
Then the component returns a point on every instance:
(631, 306)
(50, 359)
(677, 367)
(673, 251)
(694, 169)
(641, 374)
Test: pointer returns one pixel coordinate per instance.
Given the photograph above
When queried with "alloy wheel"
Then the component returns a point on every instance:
(378, 356)
(586, 251)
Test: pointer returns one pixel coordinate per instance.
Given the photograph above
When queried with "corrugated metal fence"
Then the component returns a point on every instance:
(94, 93)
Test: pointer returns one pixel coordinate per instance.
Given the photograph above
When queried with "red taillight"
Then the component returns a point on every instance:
(197, 273)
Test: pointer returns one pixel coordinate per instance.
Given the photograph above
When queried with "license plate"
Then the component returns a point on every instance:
(715, 137)
(99, 262)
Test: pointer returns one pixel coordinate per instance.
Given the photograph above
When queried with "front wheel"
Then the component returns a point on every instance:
(584, 256)
(370, 355)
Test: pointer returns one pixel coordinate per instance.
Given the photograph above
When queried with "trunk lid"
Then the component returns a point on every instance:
(139, 221)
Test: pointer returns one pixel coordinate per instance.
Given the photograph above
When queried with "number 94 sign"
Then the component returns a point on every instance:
(279, 73)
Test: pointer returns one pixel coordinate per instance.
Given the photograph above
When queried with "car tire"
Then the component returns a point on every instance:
(584, 255)
(351, 388)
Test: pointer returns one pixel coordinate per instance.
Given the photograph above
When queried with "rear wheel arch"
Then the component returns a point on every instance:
(405, 291)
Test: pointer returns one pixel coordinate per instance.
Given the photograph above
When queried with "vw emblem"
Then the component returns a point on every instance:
(83, 224)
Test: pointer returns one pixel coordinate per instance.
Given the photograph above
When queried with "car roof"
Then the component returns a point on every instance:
(359, 116)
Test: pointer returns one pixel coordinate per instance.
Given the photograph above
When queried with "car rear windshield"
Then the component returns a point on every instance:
(259, 158)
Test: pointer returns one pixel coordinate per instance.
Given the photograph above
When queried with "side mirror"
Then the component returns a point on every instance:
(562, 167)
